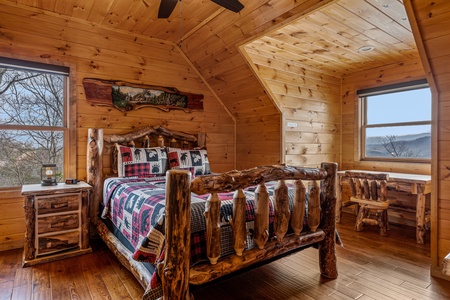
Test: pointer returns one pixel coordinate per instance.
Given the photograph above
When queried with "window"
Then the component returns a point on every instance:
(396, 123)
(33, 120)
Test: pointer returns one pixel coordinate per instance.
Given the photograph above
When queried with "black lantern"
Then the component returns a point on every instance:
(48, 174)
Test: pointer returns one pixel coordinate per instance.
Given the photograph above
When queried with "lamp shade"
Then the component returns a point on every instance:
(48, 174)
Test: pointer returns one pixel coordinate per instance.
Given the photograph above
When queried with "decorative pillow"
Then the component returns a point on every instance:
(187, 159)
(141, 162)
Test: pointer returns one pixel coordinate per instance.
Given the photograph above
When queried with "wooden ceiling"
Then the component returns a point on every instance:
(328, 39)
(136, 16)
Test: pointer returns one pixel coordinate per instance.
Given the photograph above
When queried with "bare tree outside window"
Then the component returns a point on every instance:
(395, 122)
(31, 124)
(396, 147)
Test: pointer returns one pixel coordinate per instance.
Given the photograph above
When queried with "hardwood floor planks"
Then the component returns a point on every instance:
(116, 288)
(371, 291)
(6, 289)
(23, 277)
(9, 262)
(370, 268)
(422, 292)
(79, 288)
(23, 293)
(60, 286)
(41, 286)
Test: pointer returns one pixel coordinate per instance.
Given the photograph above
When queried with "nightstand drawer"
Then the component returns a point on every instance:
(58, 223)
(58, 242)
(56, 220)
(55, 204)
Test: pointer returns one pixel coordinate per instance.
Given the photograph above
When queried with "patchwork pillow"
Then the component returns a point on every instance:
(189, 159)
(141, 162)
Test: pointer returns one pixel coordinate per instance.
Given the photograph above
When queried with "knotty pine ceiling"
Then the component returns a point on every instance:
(330, 39)
(327, 39)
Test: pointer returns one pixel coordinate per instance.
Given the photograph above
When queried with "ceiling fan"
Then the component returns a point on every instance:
(167, 6)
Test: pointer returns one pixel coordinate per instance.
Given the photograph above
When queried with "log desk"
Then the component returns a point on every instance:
(418, 185)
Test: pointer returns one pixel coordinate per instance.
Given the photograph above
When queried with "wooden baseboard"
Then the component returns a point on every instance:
(437, 272)
(53, 257)
(446, 265)
(12, 242)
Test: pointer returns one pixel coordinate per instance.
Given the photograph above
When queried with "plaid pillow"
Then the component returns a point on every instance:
(141, 162)
(187, 159)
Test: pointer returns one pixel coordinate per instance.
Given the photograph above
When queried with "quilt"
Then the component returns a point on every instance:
(136, 207)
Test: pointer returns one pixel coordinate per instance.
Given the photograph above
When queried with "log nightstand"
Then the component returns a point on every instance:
(56, 220)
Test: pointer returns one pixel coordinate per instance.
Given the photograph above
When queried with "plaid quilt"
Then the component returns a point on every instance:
(136, 207)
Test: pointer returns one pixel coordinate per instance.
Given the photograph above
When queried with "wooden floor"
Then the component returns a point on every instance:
(370, 267)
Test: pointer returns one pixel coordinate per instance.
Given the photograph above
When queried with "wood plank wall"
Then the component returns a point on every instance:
(390, 74)
(12, 224)
(213, 50)
(433, 21)
(307, 98)
(112, 55)
(258, 125)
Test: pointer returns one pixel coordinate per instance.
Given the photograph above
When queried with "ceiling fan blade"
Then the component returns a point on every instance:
(233, 5)
(166, 8)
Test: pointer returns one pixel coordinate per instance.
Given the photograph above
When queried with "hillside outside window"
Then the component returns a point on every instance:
(33, 120)
(396, 123)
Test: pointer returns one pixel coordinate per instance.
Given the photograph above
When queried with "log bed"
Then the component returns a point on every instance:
(175, 270)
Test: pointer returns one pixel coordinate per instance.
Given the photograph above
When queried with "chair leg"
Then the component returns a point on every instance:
(383, 222)
(362, 214)
(356, 209)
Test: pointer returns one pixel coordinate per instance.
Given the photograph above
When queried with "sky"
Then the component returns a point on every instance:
(407, 106)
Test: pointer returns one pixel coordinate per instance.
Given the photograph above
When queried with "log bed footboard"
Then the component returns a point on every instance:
(175, 272)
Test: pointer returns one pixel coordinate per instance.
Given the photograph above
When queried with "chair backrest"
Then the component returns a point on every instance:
(368, 186)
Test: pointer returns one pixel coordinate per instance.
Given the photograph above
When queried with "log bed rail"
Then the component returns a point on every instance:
(175, 272)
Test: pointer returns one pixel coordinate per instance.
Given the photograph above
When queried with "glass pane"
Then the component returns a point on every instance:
(23, 153)
(399, 141)
(407, 106)
(31, 98)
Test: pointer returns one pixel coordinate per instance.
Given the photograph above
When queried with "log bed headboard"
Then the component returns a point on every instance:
(100, 145)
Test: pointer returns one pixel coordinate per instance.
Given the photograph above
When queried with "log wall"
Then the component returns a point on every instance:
(213, 49)
(113, 55)
(96, 52)
(432, 21)
(258, 121)
(310, 104)
(12, 220)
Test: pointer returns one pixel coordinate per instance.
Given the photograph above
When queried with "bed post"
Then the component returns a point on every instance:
(327, 247)
(94, 172)
(174, 272)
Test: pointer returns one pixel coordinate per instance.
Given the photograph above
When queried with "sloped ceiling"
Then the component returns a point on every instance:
(209, 34)
(328, 39)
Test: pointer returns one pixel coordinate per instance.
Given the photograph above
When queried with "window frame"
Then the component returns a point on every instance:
(70, 110)
(363, 126)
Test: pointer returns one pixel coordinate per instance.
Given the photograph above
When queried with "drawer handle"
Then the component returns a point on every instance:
(60, 205)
